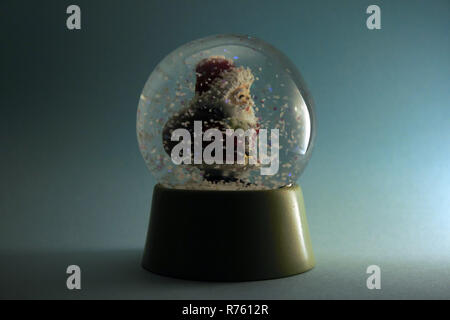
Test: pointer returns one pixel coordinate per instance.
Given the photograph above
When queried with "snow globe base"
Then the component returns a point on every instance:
(228, 235)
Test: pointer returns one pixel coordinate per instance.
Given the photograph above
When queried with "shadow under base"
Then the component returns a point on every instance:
(219, 235)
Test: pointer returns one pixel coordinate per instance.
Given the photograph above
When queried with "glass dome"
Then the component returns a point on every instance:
(226, 112)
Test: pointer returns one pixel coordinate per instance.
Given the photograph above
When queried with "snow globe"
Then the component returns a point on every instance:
(226, 126)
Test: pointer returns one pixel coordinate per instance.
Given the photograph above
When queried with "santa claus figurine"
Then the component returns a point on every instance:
(222, 101)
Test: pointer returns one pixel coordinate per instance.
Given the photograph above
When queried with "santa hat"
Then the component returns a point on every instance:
(209, 69)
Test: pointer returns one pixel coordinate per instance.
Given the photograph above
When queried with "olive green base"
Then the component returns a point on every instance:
(228, 235)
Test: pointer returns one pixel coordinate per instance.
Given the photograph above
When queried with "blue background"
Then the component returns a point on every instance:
(75, 189)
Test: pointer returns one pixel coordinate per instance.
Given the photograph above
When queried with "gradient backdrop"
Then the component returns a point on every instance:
(75, 189)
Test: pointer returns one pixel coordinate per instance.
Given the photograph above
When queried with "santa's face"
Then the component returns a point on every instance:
(241, 96)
